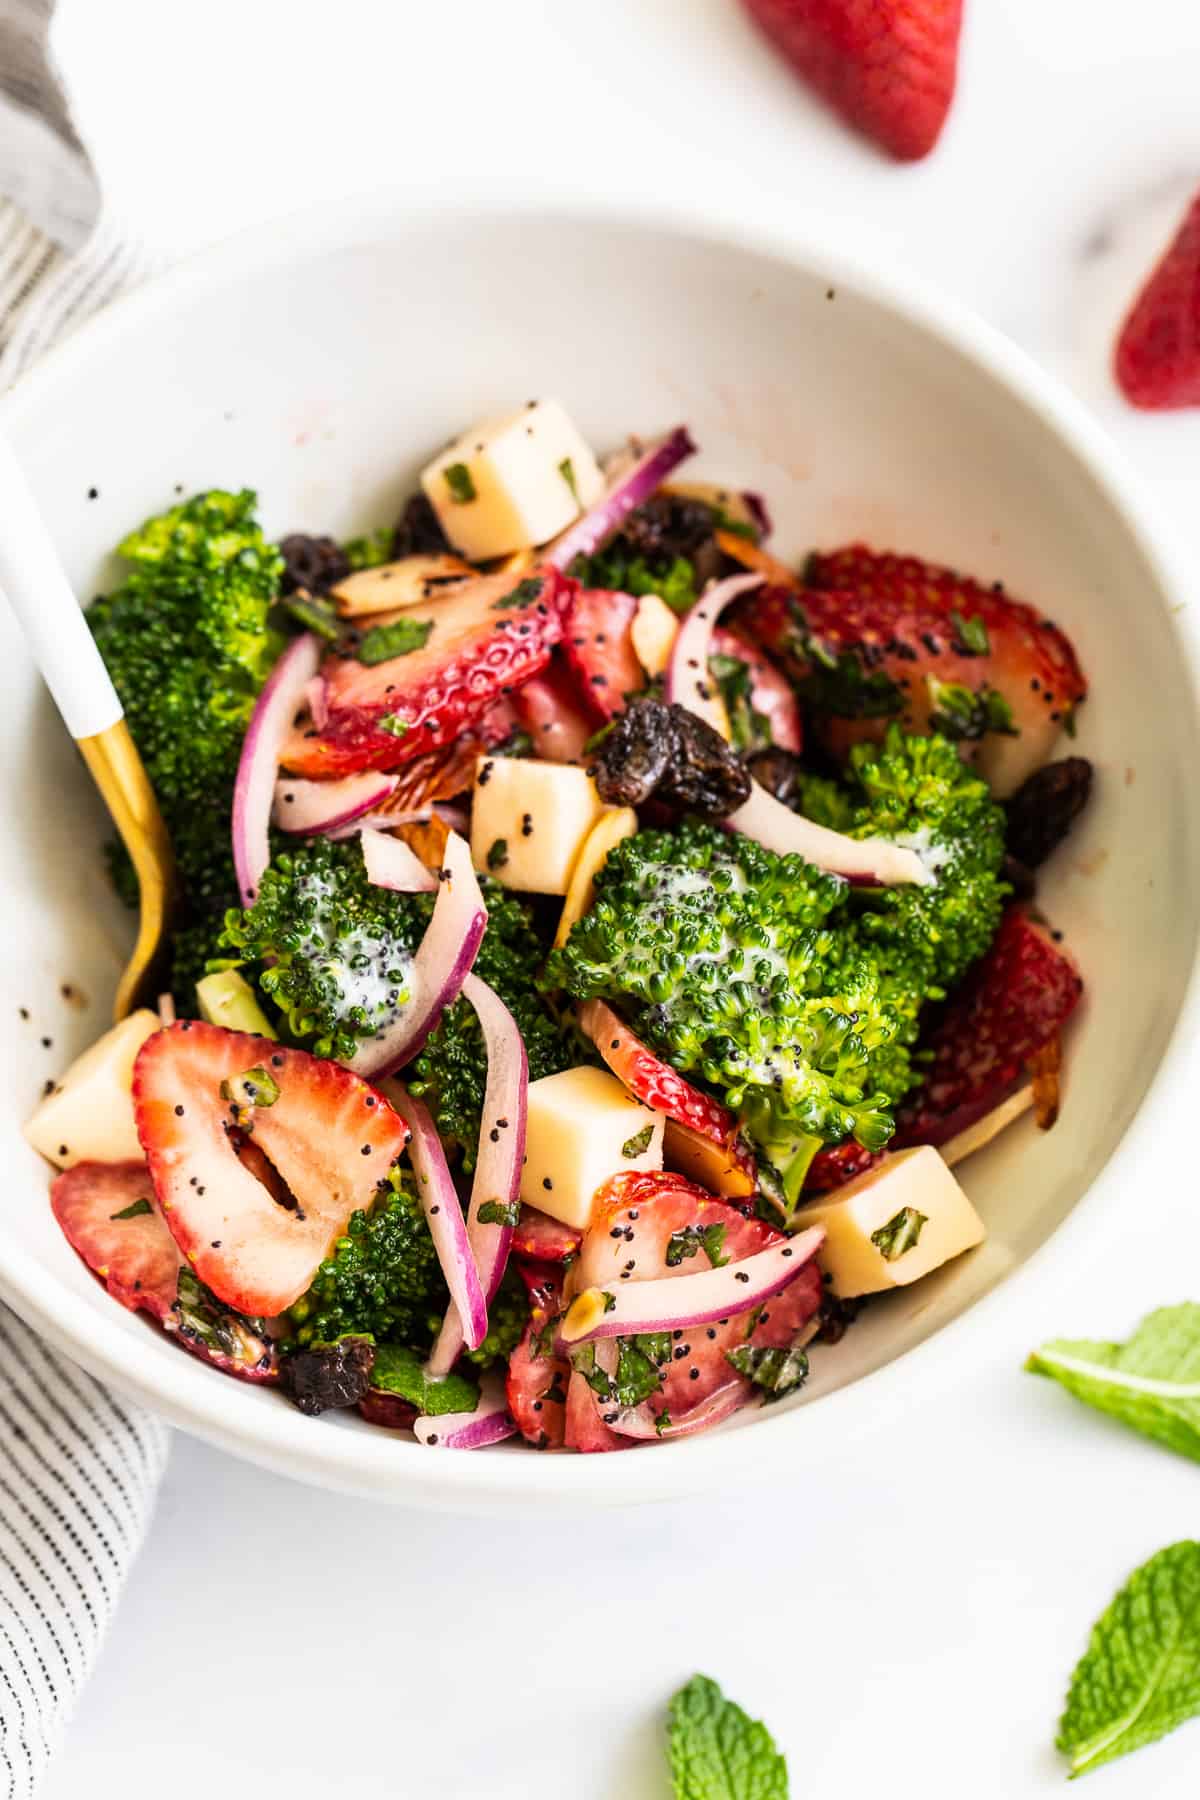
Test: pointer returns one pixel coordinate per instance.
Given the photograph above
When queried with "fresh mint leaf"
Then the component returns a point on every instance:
(524, 594)
(966, 714)
(639, 1143)
(401, 1371)
(1139, 1677)
(498, 1212)
(497, 854)
(717, 1752)
(1151, 1384)
(901, 1233)
(690, 1238)
(777, 1371)
(400, 638)
(566, 469)
(393, 724)
(460, 482)
(314, 614)
(371, 551)
(973, 634)
(137, 1209)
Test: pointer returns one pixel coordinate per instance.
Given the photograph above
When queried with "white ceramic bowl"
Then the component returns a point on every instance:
(320, 362)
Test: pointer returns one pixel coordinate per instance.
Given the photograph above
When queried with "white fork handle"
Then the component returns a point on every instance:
(35, 583)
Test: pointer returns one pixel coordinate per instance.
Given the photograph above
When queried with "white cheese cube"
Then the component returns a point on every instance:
(892, 1225)
(89, 1115)
(529, 820)
(584, 1126)
(512, 481)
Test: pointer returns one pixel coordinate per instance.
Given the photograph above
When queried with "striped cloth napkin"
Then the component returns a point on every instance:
(79, 1468)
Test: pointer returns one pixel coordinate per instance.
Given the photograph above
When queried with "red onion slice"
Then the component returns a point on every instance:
(441, 965)
(391, 863)
(688, 680)
(488, 1424)
(439, 1201)
(312, 807)
(628, 491)
(274, 713)
(497, 1182)
(867, 860)
(641, 1422)
(317, 695)
(671, 1303)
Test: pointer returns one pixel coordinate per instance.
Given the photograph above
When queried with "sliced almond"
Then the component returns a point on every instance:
(396, 585)
(991, 1125)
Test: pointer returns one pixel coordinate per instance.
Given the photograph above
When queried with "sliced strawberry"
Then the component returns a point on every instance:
(1157, 360)
(543, 1239)
(877, 636)
(109, 1214)
(485, 638)
(330, 1136)
(646, 1226)
(834, 1166)
(771, 693)
(388, 1410)
(654, 1081)
(536, 1384)
(599, 648)
(1012, 1003)
(887, 66)
(547, 707)
(136, 1257)
(584, 1429)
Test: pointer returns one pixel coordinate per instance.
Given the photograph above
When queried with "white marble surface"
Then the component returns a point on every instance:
(907, 1618)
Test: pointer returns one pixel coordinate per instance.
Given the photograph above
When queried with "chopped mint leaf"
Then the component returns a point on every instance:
(717, 1752)
(371, 551)
(638, 1373)
(400, 638)
(610, 1300)
(751, 730)
(639, 1143)
(966, 714)
(199, 1314)
(524, 594)
(497, 855)
(499, 1212)
(314, 614)
(393, 724)
(137, 1210)
(690, 1238)
(661, 1423)
(776, 1371)
(900, 1233)
(1139, 1677)
(460, 482)
(1151, 1383)
(401, 1371)
(566, 469)
(973, 634)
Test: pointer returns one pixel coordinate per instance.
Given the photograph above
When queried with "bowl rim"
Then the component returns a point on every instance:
(364, 1462)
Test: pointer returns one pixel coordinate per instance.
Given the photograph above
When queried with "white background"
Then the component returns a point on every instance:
(906, 1616)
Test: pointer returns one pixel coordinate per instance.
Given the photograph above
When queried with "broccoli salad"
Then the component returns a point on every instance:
(598, 943)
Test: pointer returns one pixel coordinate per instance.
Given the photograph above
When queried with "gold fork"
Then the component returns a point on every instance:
(35, 583)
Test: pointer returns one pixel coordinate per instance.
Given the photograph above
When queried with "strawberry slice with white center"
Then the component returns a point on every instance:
(873, 636)
(455, 656)
(109, 1214)
(536, 1382)
(650, 1079)
(329, 1136)
(548, 708)
(544, 1239)
(649, 1226)
(598, 645)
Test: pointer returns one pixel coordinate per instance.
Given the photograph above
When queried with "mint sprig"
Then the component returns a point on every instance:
(1139, 1677)
(717, 1752)
(1151, 1383)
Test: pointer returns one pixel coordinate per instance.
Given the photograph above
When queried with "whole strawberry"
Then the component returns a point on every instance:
(1157, 361)
(888, 66)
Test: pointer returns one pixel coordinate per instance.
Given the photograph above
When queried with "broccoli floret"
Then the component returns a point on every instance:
(330, 951)
(187, 642)
(451, 1071)
(333, 954)
(722, 955)
(382, 1279)
(916, 790)
(795, 996)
